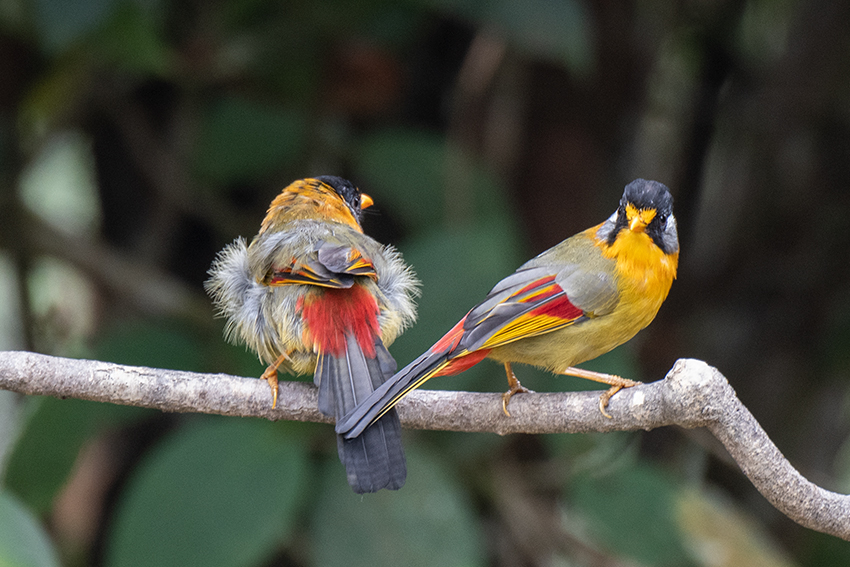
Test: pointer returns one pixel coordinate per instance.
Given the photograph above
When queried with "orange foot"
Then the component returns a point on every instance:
(270, 376)
(617, 383)
(514, 388)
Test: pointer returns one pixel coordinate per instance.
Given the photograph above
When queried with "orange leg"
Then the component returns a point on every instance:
(615, 382)
(270, 376)
(514, 388)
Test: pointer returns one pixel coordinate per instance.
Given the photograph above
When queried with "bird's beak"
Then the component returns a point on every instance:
(366, 201)
(640, 219)
(637, 224)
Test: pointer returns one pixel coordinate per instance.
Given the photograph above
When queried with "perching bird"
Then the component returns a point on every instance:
(577, 300)
(313, 294)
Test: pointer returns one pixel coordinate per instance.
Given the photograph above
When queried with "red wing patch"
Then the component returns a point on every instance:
(561, 308)
(540, 307)
(546, 318)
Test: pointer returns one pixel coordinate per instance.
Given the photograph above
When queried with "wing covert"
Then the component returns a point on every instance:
(527, 303)
(329, 265)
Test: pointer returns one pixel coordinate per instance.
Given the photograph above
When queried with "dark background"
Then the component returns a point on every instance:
(137, 138)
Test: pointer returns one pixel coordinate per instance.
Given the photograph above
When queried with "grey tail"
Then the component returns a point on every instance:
(357, 421)
(374, 460)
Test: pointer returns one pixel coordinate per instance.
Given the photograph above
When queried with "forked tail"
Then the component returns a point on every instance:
(374, 460)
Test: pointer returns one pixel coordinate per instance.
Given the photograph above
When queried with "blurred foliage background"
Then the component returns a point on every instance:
(137, 137)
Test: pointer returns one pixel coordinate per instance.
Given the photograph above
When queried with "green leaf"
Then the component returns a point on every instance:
(220, 492)
(23, 541)
(155, 343)
(56, 430)
(60, 23)
(428, 182)
(822, 549)
(594, 452)
(405, 170)
(60, 184)
(632, 512)
(720, 534)
(428, 522)
(241, 140)
(131, 39)
(559, 30)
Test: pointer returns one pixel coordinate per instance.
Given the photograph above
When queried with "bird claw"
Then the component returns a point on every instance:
(515, 389)
(606, 395)
(270, 376)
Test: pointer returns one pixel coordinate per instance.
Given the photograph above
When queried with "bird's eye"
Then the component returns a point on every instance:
(662, 219)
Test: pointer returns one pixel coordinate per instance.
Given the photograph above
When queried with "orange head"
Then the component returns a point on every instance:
(326, 197)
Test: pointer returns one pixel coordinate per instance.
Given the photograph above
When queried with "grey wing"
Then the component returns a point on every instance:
(327, 264)
(510, 311)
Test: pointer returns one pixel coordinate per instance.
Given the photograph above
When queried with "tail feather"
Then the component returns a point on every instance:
(324, 380)
(375, 460)
(379, 403)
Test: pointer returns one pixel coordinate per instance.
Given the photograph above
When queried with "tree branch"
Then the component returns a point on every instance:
(693, 394)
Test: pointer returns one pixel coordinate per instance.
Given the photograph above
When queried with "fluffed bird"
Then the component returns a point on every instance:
(578, 300)
(313, 294)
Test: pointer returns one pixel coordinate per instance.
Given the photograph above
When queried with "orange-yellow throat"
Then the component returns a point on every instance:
(645, 272)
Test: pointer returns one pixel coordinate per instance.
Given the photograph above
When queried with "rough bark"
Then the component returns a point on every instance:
(693, 394)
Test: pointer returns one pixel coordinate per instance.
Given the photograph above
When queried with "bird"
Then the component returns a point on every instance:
(312, 294)
(575, 301)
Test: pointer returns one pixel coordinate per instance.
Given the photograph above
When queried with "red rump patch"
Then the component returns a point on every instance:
(553, 289)
(331, 313)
